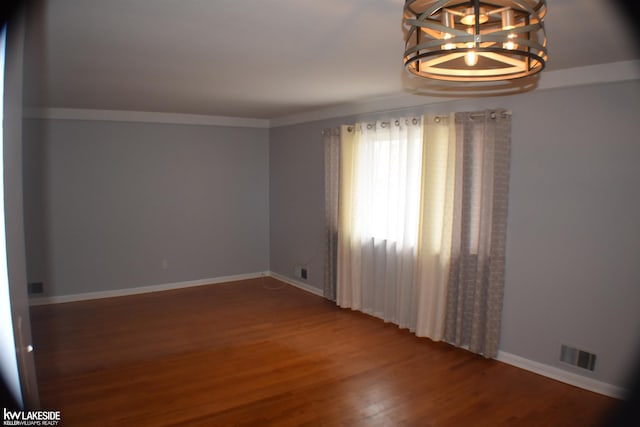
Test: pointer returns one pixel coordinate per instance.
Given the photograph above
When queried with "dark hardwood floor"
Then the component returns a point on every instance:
(261, 353)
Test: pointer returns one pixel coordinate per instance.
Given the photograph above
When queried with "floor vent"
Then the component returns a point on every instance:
(580, 358)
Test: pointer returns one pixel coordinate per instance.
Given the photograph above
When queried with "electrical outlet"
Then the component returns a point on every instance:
(165, 264)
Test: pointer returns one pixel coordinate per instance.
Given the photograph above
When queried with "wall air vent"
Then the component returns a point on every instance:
(580, 358)
(300, 272)
(35, 288)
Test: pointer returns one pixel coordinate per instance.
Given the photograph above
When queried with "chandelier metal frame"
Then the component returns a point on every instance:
(475, 41)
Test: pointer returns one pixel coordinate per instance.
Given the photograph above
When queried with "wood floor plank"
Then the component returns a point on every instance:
(262, 353)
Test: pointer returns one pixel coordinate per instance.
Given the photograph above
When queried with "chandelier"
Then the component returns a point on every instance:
(474, 41)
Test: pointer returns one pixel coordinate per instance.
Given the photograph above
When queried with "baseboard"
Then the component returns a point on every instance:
(142, 289)
(296, 283)
(562, 375)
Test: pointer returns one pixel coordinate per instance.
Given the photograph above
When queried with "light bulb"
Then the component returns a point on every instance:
(471, 58)
(469, 17)
(449, 22)
(508, 23)
(448, 46)
(510, 45)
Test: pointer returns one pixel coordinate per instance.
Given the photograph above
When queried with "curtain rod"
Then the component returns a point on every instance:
(492, 114)
(474, 115)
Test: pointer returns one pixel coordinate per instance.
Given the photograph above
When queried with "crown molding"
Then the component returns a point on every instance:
(549, 80)
(589, 75)
(142, 117)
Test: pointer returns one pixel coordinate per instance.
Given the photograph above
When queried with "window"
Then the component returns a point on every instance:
(387, 180)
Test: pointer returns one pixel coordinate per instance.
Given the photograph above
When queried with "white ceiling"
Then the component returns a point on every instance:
(254, 58)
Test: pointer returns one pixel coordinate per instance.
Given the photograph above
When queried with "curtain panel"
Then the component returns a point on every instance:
(476, 280)
(436, 214)
(379, 201)
(331, 191)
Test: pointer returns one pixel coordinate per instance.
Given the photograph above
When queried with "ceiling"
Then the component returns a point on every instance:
(254, 58)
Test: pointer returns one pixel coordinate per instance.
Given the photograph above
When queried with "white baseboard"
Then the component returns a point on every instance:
(142, 289)
(296, 283)
(170, 286)
(562, 375)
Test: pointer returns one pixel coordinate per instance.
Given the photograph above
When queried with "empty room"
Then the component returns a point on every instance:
(335, 213)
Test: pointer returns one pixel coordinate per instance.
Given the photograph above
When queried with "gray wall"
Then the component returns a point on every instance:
(573, 274)
(108, 202)
(573, 235)
(296, 193)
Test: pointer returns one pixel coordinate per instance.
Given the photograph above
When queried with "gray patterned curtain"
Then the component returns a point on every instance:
(476, 275)
(331, 191)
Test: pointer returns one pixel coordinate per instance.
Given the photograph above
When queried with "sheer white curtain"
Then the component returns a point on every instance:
(380, 182)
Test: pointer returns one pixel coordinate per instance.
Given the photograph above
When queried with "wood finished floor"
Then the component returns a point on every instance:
(261, 353)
